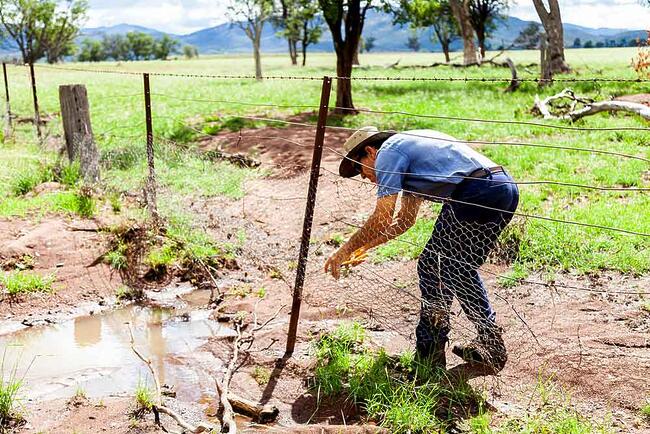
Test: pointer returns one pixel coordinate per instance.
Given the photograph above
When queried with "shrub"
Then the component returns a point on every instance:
(144, 398)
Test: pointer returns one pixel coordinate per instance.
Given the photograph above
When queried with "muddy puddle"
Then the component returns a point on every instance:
(93, 353)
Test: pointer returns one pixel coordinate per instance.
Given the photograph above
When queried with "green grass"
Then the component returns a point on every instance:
(144, 397)
(10, 389)
(645, 411)
(24, 282)
(552, 413)
(401, 393)
(179, 103)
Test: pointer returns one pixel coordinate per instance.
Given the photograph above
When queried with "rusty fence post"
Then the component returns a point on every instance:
(7, 127)
(150, 186)
(37, 115)
(309, 214)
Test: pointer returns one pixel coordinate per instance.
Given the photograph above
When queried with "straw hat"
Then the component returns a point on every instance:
(354, 146)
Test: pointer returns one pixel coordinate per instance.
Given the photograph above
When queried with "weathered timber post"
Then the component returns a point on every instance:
(309, 214)
(545, 64)
(79, 141)
(7, 126)
(37, 114)
(150, 185)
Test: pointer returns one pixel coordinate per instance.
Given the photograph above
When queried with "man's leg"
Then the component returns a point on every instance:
(433, 328)
(477, 234)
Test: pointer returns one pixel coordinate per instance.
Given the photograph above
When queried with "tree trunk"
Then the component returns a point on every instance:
(344, 87)
(552, 22)
(461, 14)
(304, 53)
(445, 50)
(480, 35)
(293, 52)
(256, 55)
(355, 57)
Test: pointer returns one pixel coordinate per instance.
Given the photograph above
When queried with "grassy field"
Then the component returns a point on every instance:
(205, 104)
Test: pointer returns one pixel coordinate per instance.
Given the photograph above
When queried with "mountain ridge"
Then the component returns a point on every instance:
(229, 38)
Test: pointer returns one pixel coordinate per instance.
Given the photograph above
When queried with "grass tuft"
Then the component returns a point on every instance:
(144, 398)
(22, 282)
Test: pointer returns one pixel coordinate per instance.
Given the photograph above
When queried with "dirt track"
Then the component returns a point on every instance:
(594, 344)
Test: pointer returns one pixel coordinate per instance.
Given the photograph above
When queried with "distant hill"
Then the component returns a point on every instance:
(228, 38)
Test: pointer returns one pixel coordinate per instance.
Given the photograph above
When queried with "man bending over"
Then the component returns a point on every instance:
(479, 199)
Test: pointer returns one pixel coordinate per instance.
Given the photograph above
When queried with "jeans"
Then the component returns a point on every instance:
(463, 236)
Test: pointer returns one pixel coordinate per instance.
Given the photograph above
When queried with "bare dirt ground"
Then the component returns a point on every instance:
(64, 248)
(594, 344)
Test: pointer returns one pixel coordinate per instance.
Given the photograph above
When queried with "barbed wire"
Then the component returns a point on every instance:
(514, 279)
(487, 142)
(490, 121)
(356, 78)
(448, 199)
(541, 182)
(225, 101)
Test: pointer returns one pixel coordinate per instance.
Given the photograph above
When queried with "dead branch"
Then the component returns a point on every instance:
(228, 414)
(158, 407)
(544, 108)
(611, 106)
(514, 83)
(259, 413)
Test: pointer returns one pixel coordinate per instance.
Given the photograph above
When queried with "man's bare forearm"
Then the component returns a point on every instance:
(368, 232)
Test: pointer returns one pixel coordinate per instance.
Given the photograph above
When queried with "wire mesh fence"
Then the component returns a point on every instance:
(431, 283)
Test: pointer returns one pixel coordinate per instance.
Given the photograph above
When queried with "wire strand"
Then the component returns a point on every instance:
(448, 199)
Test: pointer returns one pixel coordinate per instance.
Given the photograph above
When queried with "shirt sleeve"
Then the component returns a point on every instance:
(390, 168)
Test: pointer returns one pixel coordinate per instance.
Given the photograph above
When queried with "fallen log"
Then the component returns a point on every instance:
(259, 413)
(590, 107)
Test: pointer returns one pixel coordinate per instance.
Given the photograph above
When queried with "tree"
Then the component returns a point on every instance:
(190, 51)
(588, 44)
(91, 50)
(116, 47)
(164, 46)
(577, 43)
(250, 16)
(290, 29)
(529, 38)
(64, 28)
(345, 19)
(140, 45)
(303, 24)
(413, 42)
(552, 22)
(429, 13)
(482, 14)
(42, 27)
(369, 43)
(460, 10)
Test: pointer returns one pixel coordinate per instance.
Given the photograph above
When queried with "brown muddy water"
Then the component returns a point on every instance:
(93, 353)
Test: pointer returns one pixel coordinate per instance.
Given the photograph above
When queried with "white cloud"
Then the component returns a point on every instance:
(173, 16)
(624, 14)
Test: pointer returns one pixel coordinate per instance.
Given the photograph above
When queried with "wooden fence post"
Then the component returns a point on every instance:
(37, 114)
(79, 141)
(309, 214)
(7, 126)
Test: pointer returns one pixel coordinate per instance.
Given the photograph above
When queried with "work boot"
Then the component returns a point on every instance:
(487, 350)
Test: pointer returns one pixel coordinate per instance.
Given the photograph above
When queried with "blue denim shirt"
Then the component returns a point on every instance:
(425, 162)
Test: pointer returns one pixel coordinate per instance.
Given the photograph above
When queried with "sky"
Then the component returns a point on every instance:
(186, 16)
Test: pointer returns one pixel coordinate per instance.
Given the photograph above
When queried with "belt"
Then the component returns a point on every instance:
(486, 171)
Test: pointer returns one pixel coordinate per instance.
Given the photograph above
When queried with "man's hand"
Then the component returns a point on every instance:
(334, 262)
(341, 258)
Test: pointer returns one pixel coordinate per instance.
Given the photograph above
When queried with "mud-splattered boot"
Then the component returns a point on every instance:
(487, 351)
